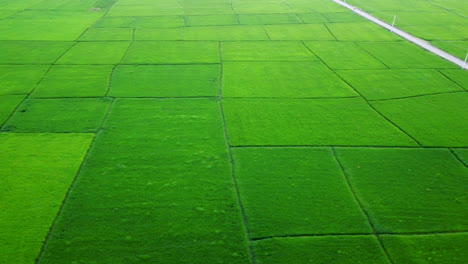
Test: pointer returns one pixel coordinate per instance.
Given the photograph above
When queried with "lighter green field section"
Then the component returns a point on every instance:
(166, 81)
(28, 52)
(281, 79)
(321, 250)
(427, 249)
(95, 53)
(434, 120)
(37, 170)
(58, 115)
(409, 190)
(295, 191)
(20, 79)
(349, 122)
(157, 187)
(266, 51)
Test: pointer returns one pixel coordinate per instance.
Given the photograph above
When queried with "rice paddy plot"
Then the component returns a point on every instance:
(436, 248)
(20, 79)
(262, 51)
(30, 201)
(172, 52)
(360, 31)
(211, 20)
(282, 79)
(166, 81)
(95, 53)
(183, 198)
(349, 122)
(431, 33)
(107, 34)
(312, 18)
(269, 19)
(58, 115)
(408, 190)
(404, 55)
(225, 33)
(320, 249)
(388, 84)
(295, 191)
(456, 48)
(458, 76)
(344, 55)
(8, 104)
(31, 52)
(298, 32)
(74, 81)
(434, 120)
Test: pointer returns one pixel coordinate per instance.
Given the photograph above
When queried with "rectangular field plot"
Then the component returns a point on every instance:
(344, 55)
(282, 79)
(269, 19)
(158, 34)
(387, 84)
(75, 81)
(437, 248)
(30, 52)
(312, 18)
(107, 34)
(225, 33)
(166, 81)
(264, 8)
(164, 190)
(408, 190)
(360, 31)
(295, 191)
(145, 11)
(349, 122)
(33, 192)
(20, 79)
(430, 33)
(8, 104)
(434, 120)
(58, 115)
(172, 52)
(211, 20)
(343, 17)
(266, 51)
(322, 250)
(95, 53)
(299, 32)
(404, 55)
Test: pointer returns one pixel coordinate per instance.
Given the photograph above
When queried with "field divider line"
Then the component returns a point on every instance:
(73, 183)
(361, 234)
(361, 206)
(421, 43)
(458, 158)
(231, 161)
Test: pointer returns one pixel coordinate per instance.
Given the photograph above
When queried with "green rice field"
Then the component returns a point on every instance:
(232, 131)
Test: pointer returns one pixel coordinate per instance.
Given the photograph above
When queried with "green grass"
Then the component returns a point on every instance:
(109, 209)
(262, 51)
(58, 115)
(74, 81)
(321, 250)
(344, 55)
(435, 120)
(295, 191)
(326, 122)
(404, 55)
(172, 53)
(282, 79)
(30, 201)
(299, 32)
(166, 81)
(95, 53)
(20, 79)
(387, 84)
(408, 190)
(428, 249)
